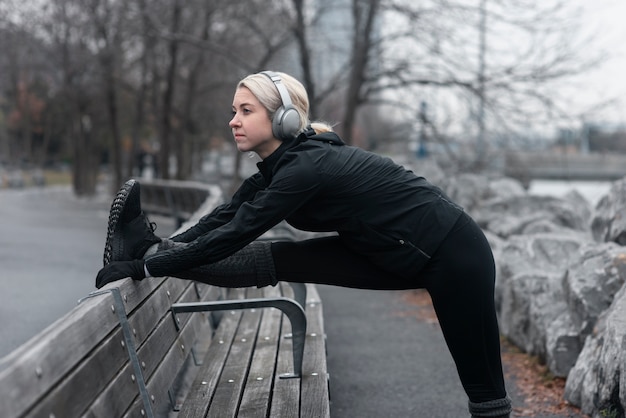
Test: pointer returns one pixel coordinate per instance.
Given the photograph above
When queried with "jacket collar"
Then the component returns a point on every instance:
(266, 167)
(329, 137)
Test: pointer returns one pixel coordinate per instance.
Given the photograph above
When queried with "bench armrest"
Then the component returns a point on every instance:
(292, 309)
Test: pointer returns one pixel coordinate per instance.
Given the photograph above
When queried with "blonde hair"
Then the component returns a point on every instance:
(263, 88)
(321, 127)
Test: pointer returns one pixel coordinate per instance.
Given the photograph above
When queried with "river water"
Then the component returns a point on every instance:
(591, 190)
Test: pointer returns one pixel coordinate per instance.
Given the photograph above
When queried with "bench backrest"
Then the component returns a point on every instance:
(117, 353)
(177, 199)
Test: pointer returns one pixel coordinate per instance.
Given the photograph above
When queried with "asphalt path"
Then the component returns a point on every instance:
(382, 360)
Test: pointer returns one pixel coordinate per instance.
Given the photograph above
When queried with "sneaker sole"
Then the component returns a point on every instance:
(112, 251)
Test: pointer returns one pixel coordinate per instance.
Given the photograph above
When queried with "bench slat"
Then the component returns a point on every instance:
(167, 349)
(120, 392)
(173, 362)
(202, 390)
(257, 394)
(286, 395)
(34, 368)
(227, 397)
(73, 395)
(315, 375)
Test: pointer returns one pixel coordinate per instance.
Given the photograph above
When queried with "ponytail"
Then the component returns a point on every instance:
(321, 127)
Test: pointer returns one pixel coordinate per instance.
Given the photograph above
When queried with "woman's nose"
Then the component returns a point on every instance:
(233, 122)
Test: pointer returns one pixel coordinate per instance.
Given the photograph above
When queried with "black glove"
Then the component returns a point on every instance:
(118, 270)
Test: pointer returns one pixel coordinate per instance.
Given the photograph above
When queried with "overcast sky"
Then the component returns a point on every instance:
(608, 17)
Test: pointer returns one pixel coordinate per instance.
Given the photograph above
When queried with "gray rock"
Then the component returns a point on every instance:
(560, 291)
(539, 252)
(504, 188)
(580, 203)
(592, 282)
(527, 307)
(596, 382)
(609, 220)
(563, 344)
(467, 190)
(523, 214)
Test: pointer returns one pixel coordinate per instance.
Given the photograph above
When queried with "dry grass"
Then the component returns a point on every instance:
(51, 178)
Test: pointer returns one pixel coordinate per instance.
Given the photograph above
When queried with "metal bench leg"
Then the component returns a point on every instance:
(299, 293)
(292, 309)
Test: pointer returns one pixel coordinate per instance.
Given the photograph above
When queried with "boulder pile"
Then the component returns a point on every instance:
(561, 269)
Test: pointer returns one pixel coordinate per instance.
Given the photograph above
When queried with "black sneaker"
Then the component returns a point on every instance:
(129, 233)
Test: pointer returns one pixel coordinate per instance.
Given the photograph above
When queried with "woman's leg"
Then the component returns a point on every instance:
(461, 279)
(261, 263)
(253, 265)
(327, 261)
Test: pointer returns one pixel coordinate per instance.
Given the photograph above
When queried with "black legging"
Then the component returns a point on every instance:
(460, 278)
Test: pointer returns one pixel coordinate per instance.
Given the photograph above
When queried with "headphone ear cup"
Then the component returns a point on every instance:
(286, 122)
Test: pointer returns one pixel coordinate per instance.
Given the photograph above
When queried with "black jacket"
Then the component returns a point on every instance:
(317, 183)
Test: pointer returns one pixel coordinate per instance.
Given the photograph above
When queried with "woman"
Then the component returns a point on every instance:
(395, 230)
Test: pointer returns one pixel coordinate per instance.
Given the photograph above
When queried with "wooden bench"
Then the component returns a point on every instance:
(249, 369)
(176, 199)
(165, 347)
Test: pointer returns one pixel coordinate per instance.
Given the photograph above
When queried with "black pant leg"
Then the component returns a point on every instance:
(461, 280)
(327, 261)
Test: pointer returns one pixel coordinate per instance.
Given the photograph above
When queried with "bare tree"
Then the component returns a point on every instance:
(197, 56)
(304, 49)
(162, 72)
(71, 109)
(108, 18)
(365, 14)
(23, 94)
(492, 65)
(499, 61)
(187, 128)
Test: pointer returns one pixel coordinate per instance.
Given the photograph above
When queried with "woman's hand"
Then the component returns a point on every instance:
(118, 270)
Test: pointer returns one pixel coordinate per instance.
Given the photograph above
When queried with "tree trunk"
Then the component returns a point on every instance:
(140, 100)
(184, 148)
(76, 119)
(116, 137)
(305, 56)
(364, 13)
(168, 96)
(84, 169)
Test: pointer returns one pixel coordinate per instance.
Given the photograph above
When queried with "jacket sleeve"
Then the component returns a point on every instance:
(223, 213)
(295, 183)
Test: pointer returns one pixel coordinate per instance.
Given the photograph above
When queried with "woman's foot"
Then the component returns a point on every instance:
(129, 233)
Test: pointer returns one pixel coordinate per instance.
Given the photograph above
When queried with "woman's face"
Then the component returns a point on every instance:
(251, 125)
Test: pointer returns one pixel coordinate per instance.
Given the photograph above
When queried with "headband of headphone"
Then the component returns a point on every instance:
(286, 121)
